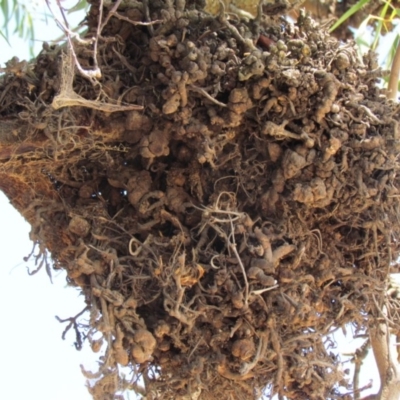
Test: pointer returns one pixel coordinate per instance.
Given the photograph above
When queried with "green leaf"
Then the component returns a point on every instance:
(392, 51)
(5, 38)
(352, 10)
(80, 5)
(361, 42)
(17, 18)
(361, 32)
(5, 25)
(381, 22)
(30, 30)
(5, 9)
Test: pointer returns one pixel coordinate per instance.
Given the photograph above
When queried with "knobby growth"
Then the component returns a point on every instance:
(222, 187)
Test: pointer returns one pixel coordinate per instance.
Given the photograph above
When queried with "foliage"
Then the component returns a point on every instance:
(22, 16)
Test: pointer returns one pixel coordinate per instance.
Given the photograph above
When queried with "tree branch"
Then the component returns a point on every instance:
(388, 368)
(394, 75)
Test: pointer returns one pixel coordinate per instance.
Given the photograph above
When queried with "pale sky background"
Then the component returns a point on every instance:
(35, 362)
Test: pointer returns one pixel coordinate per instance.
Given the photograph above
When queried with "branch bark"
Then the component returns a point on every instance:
(394, 75)
(388, 367)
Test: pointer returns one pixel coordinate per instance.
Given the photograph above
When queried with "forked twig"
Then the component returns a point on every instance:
(73, 324)
(69, 98)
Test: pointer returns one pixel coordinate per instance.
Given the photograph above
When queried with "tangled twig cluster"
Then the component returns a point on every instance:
(224, 195)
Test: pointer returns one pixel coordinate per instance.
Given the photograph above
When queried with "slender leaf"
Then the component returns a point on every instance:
(361, 42)
(5, 38)
(361, 31)
(30, 31)
(392, 51)
(16, 17)
(80, 5)
(5, 8)
(352, 10)
(381, 23)
(363, 26)
(393, 14)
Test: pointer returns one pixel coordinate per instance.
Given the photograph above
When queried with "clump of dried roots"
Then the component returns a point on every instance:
(232, 201)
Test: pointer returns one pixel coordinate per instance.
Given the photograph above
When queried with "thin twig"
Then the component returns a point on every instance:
(205, 94)
(232, 246)
(262, 347)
